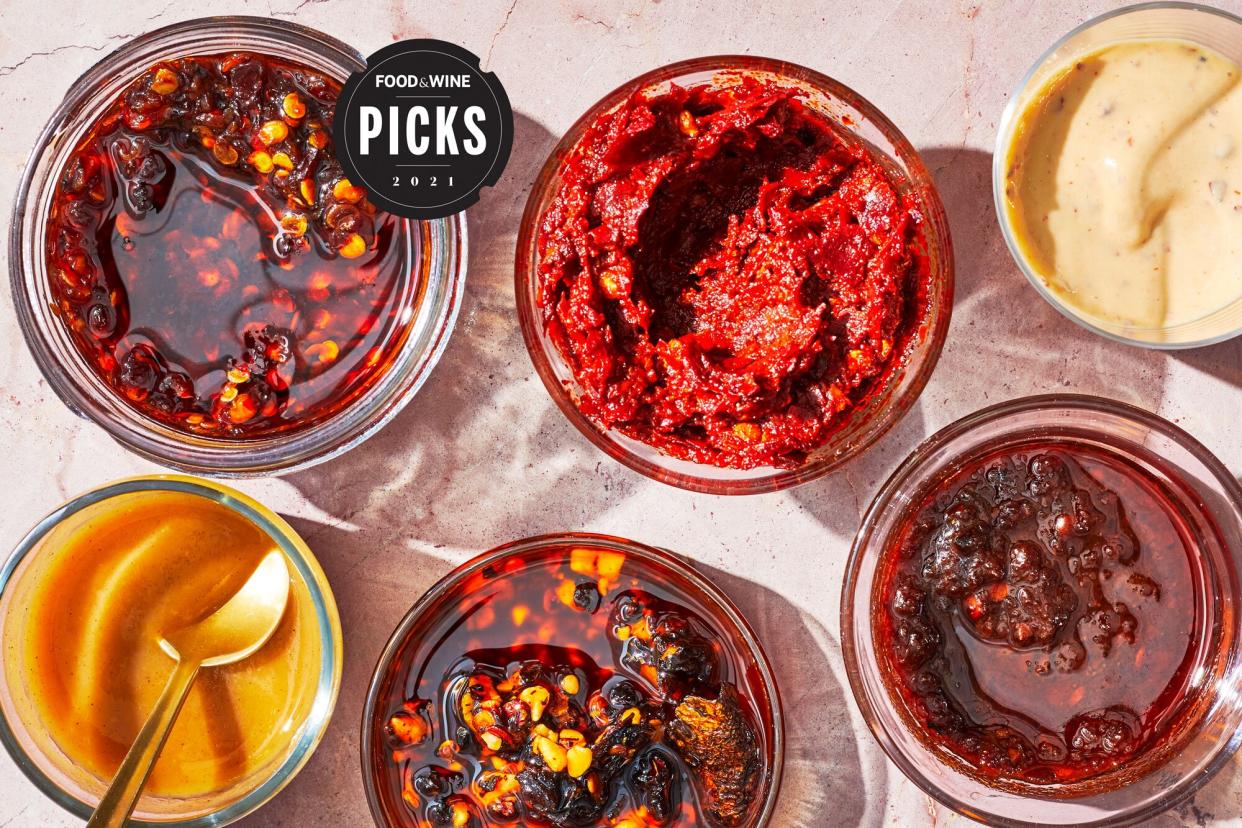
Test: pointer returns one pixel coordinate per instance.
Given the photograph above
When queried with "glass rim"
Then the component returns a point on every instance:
(1004, 137)
(296, 551)
(455, 577)
(440, 260)
(892, 495)
(925, 346)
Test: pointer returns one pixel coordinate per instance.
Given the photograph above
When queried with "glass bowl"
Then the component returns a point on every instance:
(858, 121)
(78, 790)
(1209, 498)
(434, 295)
(1206, 26)
(481, 586)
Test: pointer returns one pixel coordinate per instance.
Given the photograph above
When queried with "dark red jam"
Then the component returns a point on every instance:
(727, 276)
(1041, 613)
(210, 258)
(571, 688)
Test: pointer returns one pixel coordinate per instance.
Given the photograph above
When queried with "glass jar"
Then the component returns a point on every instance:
(484, 588)
(1207, 498)
(73, 786)
(1217, 30)
(432, 300)
(858, 121)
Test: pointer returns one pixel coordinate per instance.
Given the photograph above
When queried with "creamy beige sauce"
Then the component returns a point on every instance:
(1125, 185)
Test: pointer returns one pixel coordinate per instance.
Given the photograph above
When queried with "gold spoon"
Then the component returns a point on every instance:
(231, 633)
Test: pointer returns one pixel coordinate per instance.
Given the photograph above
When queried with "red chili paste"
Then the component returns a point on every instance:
(728, 275)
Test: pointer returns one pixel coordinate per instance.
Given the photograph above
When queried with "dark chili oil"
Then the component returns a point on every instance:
(211, 260)
(532, 621)
(1041, 619)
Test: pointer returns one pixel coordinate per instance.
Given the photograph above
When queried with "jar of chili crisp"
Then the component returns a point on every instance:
(194, 272)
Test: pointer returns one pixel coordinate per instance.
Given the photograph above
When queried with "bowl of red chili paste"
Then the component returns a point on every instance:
(733, 274)
(195, 272)
(573, 680)
(1040, 614)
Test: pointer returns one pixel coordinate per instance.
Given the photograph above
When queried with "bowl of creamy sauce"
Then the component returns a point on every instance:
(84, 600)
(1118, 175)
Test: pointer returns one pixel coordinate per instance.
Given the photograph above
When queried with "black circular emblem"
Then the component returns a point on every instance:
(423, 128)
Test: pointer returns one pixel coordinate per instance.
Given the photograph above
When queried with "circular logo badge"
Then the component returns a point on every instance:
(423, 128)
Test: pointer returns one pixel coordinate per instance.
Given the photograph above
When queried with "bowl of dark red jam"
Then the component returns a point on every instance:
(733, 274)
(193, 270)
(1040, 617)
(573, 679)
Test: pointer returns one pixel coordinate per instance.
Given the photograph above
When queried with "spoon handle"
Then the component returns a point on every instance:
(118, 803)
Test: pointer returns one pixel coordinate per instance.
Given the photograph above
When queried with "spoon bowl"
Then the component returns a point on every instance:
(242, 625)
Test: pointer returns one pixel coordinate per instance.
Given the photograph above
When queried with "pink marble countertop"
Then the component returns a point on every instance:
(479, 455)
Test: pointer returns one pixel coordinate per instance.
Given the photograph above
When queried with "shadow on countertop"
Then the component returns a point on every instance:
(1216, 802)
(824, 783)
(371, 599)
(1005, 342)
(482, 429)
(1223, 360)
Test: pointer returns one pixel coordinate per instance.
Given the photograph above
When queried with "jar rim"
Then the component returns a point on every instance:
(307, 567)
(716, 596)
(943, 451)
(885, 409)
(437, 270)
(1005, 137)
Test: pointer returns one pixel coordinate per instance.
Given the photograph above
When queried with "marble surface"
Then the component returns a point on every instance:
(482, 456)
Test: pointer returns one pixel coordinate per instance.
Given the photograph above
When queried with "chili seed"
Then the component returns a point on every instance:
(327, 351)
(165, 81)
(293, 106)
(294, 224)
(570, 738)
(224, 153)
(688, 124)
(347, 192)
(407, 728)
(354, 246)
(261, 161)
(578, 760)
(273, 132)
(749, 432)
